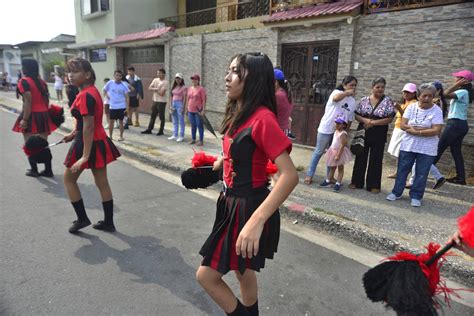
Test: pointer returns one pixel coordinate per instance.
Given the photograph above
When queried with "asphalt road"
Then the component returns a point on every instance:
(148, 265)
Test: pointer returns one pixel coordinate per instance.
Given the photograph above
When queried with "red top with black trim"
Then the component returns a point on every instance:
(89, 102)
(38, 102)
(247, 151)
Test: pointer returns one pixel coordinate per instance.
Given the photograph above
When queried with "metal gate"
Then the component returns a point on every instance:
(311, 69)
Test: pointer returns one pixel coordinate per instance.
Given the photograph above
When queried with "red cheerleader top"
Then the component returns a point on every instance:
(89, 102)
(246, 152)
(38, 103)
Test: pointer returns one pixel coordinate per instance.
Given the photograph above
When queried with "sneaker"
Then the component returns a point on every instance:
(439, 183)
(32, 173)
(46, 174)
(136, 124)
(180, 139)
(199, 143)
(159, 133)
(325, 184)
(291, 136)
(456, 180)
(121, 139)
(101, 225)
(337, 188)
(392, 197)
(147, 131)
(77, 225)
(172, 138)
(415, 202)
(192, 142)
(374, 191)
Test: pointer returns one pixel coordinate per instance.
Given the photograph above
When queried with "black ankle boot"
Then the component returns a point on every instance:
(108, 223)
(33, 172)
(82, 219)
(48, 170)
(240, 310)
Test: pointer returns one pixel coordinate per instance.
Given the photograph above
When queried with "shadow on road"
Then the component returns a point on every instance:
(150, 262)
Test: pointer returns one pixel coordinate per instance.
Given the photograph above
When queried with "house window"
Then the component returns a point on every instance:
(98, 55)
(94, 6)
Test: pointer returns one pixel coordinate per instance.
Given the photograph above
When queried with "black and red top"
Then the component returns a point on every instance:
(39, 121)
(247, 150)
(89, 103)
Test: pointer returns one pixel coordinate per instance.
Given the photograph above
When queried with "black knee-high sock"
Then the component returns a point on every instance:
(47, 164)
(253, 310)
(33, 165)
(240, 310)
(80, 210)
(108, 212)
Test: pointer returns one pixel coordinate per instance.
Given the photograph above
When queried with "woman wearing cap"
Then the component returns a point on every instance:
(422, 122)
(178, 95)
(341, 103)
(284, 101)
(374, 113)
(196, 105)
(456, 127)
(409, 97)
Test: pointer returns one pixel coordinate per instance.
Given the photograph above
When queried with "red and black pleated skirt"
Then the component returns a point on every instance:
(233, 211)
(103, 152)
(39, 122)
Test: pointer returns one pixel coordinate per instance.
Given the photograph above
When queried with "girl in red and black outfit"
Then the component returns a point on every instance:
(90, 148)
(247, 225)
(34, 119)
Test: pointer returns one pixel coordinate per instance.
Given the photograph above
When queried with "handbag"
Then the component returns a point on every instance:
(358, 139)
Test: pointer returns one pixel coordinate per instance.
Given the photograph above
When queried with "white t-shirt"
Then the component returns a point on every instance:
(344, 108)
(418, 117)
(160, 85)
(117, 93)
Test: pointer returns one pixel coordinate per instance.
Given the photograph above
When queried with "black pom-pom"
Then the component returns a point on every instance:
(56, 113)
(43, 156)
(200, 178)
(37, 149)
(376, 280)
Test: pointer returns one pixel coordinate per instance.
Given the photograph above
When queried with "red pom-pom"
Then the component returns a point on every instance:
(202, 159)
(271, 168)
(466, 227)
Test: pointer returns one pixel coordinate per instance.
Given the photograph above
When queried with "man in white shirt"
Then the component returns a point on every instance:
(117, 93)
(159, 86)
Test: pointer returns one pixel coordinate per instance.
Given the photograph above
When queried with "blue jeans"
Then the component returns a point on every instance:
(323, 141)
(405, 162)
(178, 118)
(196, 123)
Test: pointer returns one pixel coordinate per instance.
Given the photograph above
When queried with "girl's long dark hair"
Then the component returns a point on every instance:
(444, 103)
(286, 86)
(175, 84)
(80, 64)
(31, 69)
(468, 87)
(259, 90)
(346, 80)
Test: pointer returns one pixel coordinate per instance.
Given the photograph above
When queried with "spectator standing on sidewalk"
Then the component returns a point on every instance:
(341, 103)
(409, 97)
(177, 107)
(284, 101)
(422, 121)
(159, 86)
(106, 102)
(34, 118)
(247, 225)
(374, 113)
(196, 98)
(58, 86)
(135, 94)
(456, 128)
(117, 93)
(90, 147)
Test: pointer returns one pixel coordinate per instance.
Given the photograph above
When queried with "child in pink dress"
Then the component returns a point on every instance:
(337, 155)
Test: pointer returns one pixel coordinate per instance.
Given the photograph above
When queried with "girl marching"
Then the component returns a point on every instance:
(90, 148)
(34, 118)
(337, 155)
(247, 225)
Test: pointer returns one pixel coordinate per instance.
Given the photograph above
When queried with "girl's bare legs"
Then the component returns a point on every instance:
(102, 183)
(111, 127)
(211, 281)
(70, 183)
(340, 173)
(332, 171)
(248, 287)
(121, 128)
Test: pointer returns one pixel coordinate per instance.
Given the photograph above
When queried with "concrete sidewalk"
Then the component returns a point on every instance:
(363, 218)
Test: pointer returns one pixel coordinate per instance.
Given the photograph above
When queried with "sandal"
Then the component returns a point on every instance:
(308, 180)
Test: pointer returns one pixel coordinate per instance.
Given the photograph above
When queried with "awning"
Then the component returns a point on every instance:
(153, 36)
(324, 9)
(92, 44)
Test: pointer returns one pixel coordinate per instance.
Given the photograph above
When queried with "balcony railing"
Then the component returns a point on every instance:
(236, 11)
(282, 5)
(376, 6)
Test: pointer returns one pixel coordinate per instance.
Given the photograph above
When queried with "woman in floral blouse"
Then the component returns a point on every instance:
(374, 113)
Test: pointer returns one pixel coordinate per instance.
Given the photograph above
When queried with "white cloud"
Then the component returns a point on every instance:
(35, 20)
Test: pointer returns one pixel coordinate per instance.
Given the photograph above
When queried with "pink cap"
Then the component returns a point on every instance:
(465, 74)
(410, 87)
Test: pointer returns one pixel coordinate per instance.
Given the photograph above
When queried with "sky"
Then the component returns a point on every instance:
(35, 20)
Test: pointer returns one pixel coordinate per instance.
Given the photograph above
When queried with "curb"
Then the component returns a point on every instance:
(343, 228)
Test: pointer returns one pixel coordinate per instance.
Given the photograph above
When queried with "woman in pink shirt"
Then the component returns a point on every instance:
(283, 100)
(178, 95)
(196, 105)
